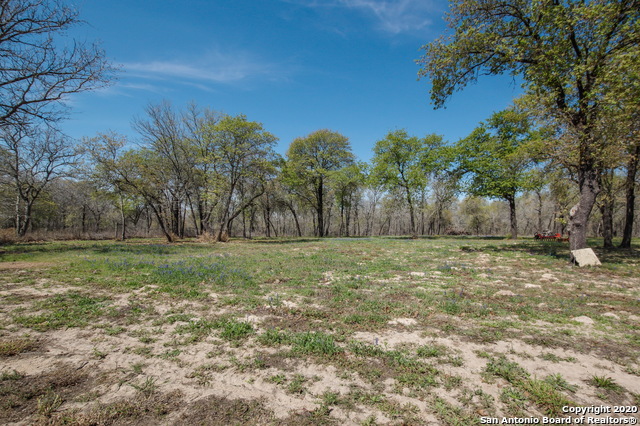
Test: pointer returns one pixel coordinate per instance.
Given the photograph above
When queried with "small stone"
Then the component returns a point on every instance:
(403, 321)
(585, 257)
(584, 320)
(417, 274)
(504, 293)
(532, 286)
(611, 315)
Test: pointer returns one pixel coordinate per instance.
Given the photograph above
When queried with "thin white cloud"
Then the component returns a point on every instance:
(212, 67)
(183, 71)
(396, 16)
(393, 16)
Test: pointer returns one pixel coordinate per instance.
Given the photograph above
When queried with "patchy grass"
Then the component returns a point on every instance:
(309, 331)
(12, 347)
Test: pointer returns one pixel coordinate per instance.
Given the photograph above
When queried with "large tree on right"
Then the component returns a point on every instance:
(567, 53)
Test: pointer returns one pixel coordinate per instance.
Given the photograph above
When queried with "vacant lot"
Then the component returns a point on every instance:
(304, 331)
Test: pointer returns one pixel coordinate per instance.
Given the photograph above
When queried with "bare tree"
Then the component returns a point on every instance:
(32, 160)
(163, 130)
(39, 66)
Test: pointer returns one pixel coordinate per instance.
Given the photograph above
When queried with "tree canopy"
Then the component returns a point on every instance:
(568, 53)
(497, 159)
(398, 162)
(311, 161)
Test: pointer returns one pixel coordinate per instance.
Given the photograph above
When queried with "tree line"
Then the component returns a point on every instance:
(200, 173)
(566, 152)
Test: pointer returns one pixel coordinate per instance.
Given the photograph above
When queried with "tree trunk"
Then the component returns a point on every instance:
(194, 218)
(225, 215)
(26, 221)
(295, 219)
(18, 218)
(512, 216)
(539, 194)
(347, 219)
(232, 215)
(162, 223)
(267, 218)
(176, 218)
(630, 187)
(422, 202)
(123, 235)
(328, 221)
(411, 214)
(579, 215)
(84, 219)
(320, 207)
(607, 222)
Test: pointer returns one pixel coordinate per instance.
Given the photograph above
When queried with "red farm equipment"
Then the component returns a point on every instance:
(549, 236)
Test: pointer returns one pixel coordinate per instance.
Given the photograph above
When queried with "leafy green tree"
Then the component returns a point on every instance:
(630, 195)
(242, 159)
(200, 191)
(622, 124)
(311, 162)
(568, 54)
(373, 192)
(497, 159)
(140, 173)
(347, 183)
(398, 163)
(437, 161)
(475, 212)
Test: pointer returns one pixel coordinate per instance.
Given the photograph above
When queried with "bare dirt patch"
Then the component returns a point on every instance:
(371, 333)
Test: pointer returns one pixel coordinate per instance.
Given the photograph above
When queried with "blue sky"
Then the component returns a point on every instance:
(294, 65)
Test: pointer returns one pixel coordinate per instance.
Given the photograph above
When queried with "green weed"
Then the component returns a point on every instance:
(68, 310)
(236, 330)
(316, 343)
(605, 382)
(146, 388)
(13, 347)
(48, 403)
(508, 370)
(431, 351)
(559, 383)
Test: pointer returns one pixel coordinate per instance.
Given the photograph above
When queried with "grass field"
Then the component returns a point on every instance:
(306, 331)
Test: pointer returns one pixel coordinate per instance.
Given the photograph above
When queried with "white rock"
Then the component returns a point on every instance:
(504, 293)
(585, 257)
(532, 286)
(403, 321)
(584, 320)
(611, 315)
